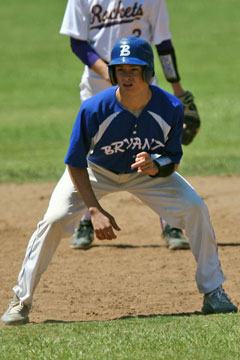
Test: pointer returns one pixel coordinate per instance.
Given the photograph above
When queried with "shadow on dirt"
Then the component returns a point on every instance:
(128, 246)
(51, 321)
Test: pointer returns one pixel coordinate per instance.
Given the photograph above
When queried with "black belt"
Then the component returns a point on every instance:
(117, 172)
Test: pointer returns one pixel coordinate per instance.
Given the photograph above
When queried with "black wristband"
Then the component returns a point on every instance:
(164, 170)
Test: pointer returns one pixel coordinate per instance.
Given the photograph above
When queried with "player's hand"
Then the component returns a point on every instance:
(145, 164)
(103, 224)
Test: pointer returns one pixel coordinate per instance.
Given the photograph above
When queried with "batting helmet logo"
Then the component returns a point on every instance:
(133, 51)
(125, 50)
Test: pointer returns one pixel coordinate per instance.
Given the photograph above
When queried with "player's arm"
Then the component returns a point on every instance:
(192, 121)
(101, 68)
(166, 163)
(168, 61)
(102, 221)
(84, 51)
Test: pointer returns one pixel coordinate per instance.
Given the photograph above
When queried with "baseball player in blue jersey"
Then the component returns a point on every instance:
(126, 138)
(93, 27)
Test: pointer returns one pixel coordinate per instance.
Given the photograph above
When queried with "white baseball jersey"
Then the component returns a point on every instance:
(103, 22)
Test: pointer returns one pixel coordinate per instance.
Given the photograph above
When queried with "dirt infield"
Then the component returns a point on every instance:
(133, 275)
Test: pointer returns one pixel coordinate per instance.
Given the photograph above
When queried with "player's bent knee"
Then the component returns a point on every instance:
(63, 222)
(196, 204)
(53, 217)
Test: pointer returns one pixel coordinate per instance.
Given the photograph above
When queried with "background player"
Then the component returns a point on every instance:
(93, 27)
(103, 157)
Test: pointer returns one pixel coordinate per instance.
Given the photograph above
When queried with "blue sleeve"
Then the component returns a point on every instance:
(80, 142)
(84, 51)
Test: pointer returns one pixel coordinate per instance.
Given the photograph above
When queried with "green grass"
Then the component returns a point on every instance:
(39, 99)
(38, 91)
(205, 36)
(151, 338)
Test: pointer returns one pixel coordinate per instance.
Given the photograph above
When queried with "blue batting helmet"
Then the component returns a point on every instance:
(133, 51)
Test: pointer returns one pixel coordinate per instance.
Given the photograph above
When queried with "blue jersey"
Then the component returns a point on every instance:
(110, 136)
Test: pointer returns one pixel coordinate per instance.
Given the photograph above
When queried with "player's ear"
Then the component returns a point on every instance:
(148, 74)
(112, 75)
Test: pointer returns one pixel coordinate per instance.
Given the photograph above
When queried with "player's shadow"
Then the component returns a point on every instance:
(228, 244)
(142, 316)
(129, 246)
(125, 246)
(126, 317)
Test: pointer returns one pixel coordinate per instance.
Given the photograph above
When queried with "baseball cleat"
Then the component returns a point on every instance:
(83, 236)
(217, 302)
(175, 238)
(17, 313)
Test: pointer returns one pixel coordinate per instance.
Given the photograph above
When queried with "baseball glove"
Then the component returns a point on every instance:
(191, 124)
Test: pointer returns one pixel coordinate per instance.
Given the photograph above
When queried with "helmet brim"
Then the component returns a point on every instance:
(128, 61)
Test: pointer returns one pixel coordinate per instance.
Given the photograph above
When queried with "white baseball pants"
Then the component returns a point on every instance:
(172, 197)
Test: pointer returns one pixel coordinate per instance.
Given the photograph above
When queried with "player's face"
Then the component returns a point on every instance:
(129, 77)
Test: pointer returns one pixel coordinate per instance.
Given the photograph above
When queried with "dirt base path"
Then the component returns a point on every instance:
(134, 275)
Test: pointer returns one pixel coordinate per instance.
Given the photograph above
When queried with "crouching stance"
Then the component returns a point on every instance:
(126, 138)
